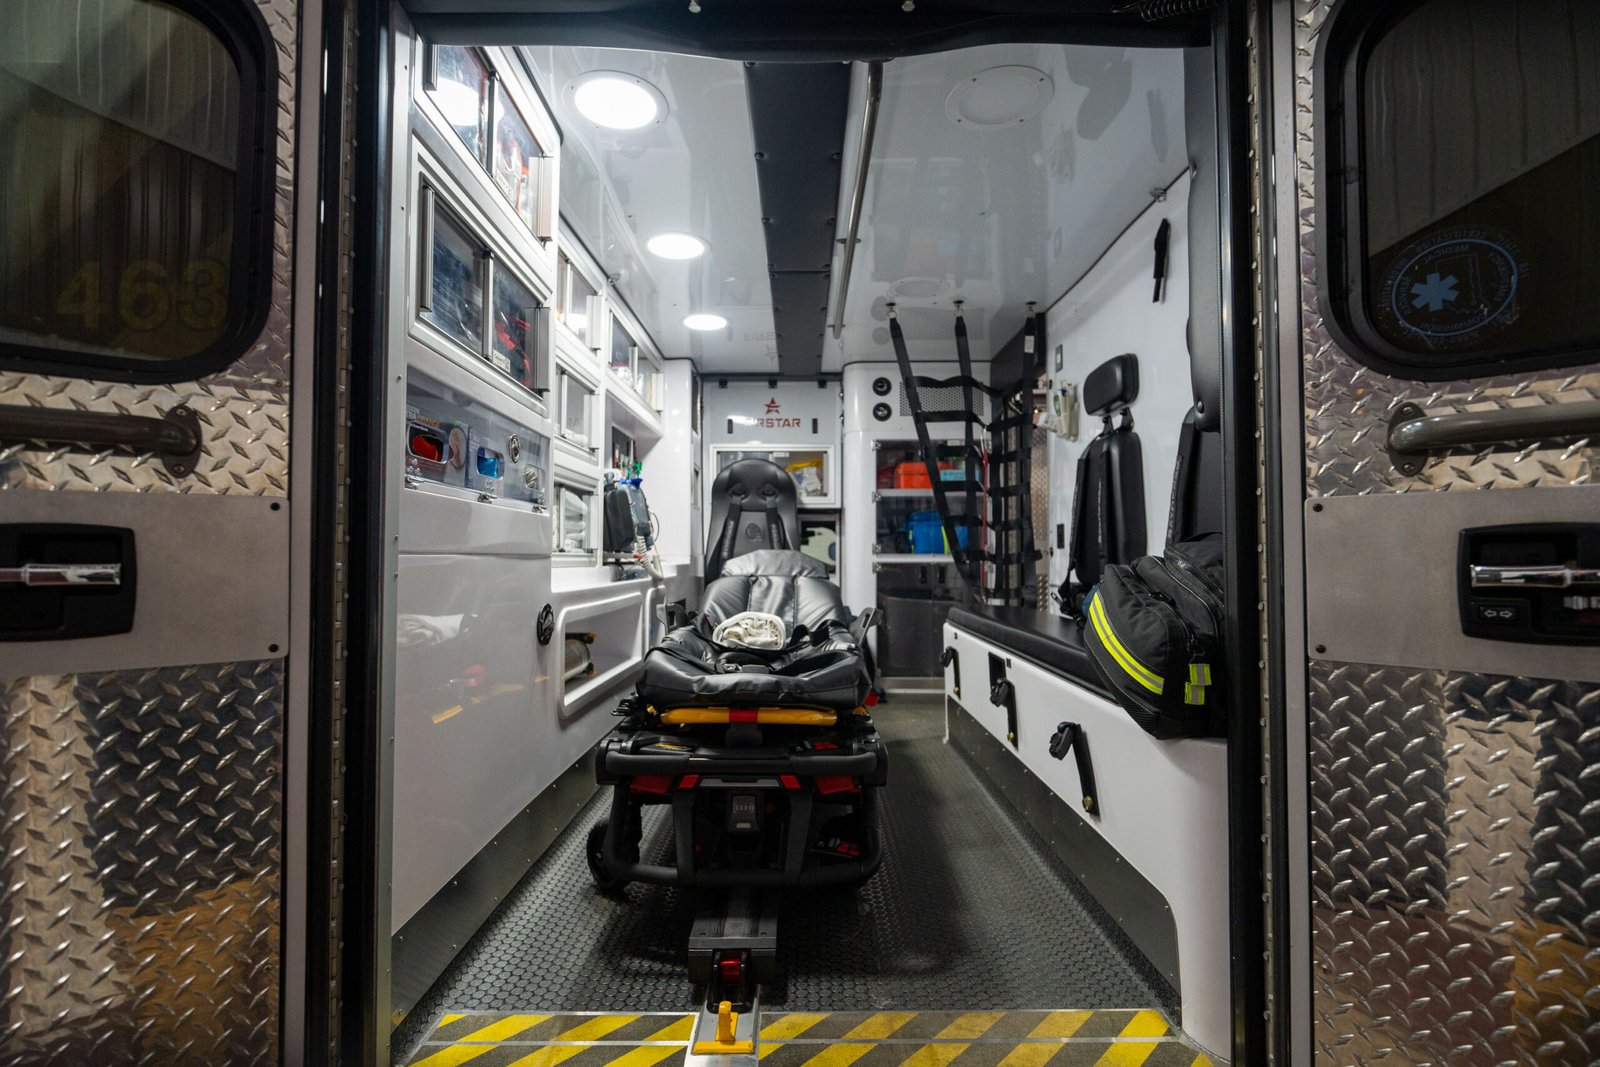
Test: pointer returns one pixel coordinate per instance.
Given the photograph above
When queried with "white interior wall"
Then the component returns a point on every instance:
(1106, 314)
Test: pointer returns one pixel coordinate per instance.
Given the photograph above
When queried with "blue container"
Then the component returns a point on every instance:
(926, 533)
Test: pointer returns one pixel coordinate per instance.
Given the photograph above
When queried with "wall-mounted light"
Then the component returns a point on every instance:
(705, 320)
(676, 246)
(616, 100)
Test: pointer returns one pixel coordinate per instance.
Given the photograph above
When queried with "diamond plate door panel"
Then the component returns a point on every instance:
(1348, 406)
(1455, 867)
(243, 409)
(1454, 817)
(142, 819)
(141, 810)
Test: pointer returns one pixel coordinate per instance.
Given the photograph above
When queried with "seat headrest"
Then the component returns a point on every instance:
(1112, 386)
(777, 563)
(754, 484)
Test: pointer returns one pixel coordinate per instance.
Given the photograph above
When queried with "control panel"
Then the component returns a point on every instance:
(454, 440)
(1531, 582)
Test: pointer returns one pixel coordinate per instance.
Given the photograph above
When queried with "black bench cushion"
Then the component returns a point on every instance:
(1044, 639)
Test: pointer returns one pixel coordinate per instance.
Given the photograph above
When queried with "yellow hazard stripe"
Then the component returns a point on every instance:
(880, 1026)
(475, 1044)
(972, 1024)
(1138, 671)
(1121, 1038)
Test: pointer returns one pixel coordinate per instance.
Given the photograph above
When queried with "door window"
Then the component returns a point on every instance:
(132, 186)
(1471, 235)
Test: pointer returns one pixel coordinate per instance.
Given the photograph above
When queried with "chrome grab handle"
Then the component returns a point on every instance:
(63, 574)
(1557, 576)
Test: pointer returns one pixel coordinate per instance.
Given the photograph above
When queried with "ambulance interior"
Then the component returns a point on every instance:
(966, 299)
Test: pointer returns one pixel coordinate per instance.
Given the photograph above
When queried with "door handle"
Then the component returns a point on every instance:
(1483, 576)
(37, 574)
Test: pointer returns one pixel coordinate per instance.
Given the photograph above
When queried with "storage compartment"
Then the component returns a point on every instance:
(914, 599)
(811, 468)
(575, 409)
(575, 521)
(611, 635)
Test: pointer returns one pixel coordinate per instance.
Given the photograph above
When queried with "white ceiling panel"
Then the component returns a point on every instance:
(693, 173)
(1000, 186)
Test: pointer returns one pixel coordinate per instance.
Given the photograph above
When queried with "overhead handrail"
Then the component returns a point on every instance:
(1414, 434)
(175, 436)
(858, 192)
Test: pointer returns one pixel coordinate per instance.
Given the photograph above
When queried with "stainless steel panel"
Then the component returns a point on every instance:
(141, 819)
(1453, 823)
(1455, 867)
(243, 409)
(1347, 406)
(1381, 580)
(426, 944)
(142, 806)
(199, 559)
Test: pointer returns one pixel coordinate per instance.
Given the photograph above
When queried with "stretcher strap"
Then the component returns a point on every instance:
(965, 566)
(964, 359)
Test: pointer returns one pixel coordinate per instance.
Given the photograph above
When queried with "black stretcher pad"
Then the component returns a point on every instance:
(1044, 639)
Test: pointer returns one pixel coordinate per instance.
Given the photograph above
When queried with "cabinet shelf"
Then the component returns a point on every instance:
(954, 489)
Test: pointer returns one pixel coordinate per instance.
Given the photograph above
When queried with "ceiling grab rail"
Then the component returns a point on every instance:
(858, 192)
(175, 437)
(1414, 434)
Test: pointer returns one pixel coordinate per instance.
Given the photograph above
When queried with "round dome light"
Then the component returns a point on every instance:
(617, 101)
(999, 96)
(704, 320)
(676, 246)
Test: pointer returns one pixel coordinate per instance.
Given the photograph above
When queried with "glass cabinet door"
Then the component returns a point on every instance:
(811, 468)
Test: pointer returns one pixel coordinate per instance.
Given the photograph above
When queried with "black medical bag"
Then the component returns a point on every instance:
(1153, 628)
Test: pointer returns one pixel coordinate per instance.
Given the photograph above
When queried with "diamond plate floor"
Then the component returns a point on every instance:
(969, 912)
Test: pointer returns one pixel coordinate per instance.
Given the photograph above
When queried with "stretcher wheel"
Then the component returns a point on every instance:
(595, 851)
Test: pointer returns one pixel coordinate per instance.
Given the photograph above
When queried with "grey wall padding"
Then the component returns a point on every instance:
(798, 113)
(1205, 255)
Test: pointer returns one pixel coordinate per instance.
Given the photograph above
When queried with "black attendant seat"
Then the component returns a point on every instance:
(1108, 516)
(754, 505)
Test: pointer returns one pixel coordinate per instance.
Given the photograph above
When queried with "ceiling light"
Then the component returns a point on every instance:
(676, 245)
(617, 101)
(704, 320)
(461, 104)
(999, 96)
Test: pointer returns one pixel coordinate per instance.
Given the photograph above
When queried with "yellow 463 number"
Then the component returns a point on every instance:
(148, 296)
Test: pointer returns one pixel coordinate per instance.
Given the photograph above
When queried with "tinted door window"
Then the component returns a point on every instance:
(128, 231)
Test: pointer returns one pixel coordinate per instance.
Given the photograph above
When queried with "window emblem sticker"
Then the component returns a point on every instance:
(1453, 286)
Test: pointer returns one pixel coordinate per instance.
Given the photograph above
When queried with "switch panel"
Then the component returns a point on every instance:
(1536, 583)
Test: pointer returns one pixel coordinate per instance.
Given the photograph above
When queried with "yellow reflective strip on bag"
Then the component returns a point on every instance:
(1138, 671)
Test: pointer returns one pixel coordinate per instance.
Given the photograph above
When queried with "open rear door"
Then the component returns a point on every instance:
(1444, 831)
(147, 203)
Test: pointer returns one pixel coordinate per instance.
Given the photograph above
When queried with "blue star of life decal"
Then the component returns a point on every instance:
(1436, 292)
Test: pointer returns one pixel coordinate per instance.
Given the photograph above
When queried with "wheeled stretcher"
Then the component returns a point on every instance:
(767, 757)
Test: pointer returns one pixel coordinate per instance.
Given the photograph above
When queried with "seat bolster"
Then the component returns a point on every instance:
(1125, 528)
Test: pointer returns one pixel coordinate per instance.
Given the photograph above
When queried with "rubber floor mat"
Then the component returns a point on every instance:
(969, 912)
